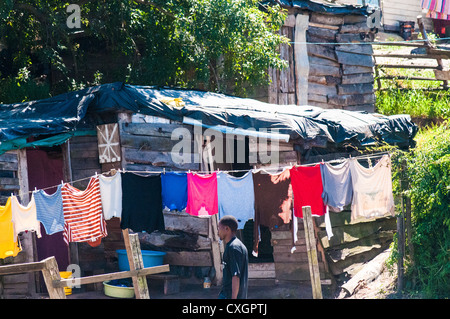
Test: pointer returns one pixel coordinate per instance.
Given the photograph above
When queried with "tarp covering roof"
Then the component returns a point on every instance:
(64, 113)
(322, 6)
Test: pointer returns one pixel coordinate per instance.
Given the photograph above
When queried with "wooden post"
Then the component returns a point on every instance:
(301, 59)
(50, 272)
(400, 248)
(312, 253)
(430, 46)
(136, 262)
(213, 224)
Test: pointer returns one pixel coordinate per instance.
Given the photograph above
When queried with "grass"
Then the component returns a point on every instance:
(406, 96)
(417, 103)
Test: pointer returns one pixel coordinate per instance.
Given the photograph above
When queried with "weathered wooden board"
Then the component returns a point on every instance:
(357, 78)
(376, 240)
(323, 70)
(360, 88)
(351, 99)
(148, 143)
(356, 48)
(355, 59)
(184, 222)
(355, 69)
(179, 241)
(355, 28)
(349, 233)
(189, 258)
(160, 159)
(296, 271)
(323, 33)
(329, 19)
(153, 129)
(261, 270)
(320, 51)
(319, 89)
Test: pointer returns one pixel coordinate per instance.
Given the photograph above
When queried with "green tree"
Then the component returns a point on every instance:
(217, 45)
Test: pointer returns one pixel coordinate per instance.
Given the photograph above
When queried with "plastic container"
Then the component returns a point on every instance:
(151, 258)
(207, 283)
(118, 291)
(66, 275)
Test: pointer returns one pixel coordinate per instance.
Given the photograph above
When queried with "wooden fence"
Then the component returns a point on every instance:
(429, 51)
(55, 285)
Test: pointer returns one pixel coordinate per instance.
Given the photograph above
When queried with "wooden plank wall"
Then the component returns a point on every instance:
(354, 242)
(12, 286)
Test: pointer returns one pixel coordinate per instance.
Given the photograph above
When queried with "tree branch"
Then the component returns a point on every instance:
(32, 10)
(159, 8)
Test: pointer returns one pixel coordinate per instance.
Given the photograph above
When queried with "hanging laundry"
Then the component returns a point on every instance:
(236, 197)
(83, 216)
(111, 195)
(49, 210)
(142, 203)
(307, 188)
(337, 185)
(202, 194)
(372, 189)
(273, 202)
(174, 190)
(25, 217)
(437, 9)
(9, 245)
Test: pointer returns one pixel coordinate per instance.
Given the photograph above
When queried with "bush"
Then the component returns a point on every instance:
(428, 171)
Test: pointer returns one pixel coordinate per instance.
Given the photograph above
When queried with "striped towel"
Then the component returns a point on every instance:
(83, 217)
(437, 9)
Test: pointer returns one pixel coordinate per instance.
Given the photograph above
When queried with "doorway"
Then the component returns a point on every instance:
(45, 170)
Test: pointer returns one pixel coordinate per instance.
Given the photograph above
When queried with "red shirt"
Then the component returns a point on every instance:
(307, 188)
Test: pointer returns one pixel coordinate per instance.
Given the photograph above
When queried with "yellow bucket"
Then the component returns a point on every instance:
(66, 275)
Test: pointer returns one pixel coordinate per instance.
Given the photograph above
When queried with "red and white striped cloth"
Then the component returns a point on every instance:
(83, 216)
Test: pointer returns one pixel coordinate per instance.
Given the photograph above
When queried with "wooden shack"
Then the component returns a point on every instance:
(122, 137)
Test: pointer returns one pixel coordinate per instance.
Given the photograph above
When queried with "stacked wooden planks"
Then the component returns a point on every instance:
(340, 64)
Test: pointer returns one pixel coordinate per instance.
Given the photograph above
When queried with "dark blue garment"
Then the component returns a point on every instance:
(174, 190)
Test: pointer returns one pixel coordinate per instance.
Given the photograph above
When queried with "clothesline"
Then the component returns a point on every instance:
(340, 160)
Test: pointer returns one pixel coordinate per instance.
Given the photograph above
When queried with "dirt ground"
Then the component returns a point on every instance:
(383, 287)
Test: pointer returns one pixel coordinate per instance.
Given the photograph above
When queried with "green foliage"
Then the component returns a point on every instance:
(428, 171)
(217, 45)
(417, 103)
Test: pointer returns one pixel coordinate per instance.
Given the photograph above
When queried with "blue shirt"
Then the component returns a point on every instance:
(236, 197)
(49, 210)
(174, 190)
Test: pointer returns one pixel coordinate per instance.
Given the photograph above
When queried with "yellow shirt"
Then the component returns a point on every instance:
(8, 239)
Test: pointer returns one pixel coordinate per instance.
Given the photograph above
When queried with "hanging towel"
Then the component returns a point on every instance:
(142, 203)
(372, 189)
(236, 197)
(337, 185)
(307, 188)
(273, 202)
(49, 210)
(9, 245)
(111, 195)
(25, 217)
(202, 194)
(83, 216)
(174, 190)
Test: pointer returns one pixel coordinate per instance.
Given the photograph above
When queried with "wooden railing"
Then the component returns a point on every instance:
(55, 285)
(431, 52)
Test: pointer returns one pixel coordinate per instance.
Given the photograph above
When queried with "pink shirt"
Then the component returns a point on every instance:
(202, 194)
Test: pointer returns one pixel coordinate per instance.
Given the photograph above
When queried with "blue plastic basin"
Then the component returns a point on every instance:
(151, 258)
